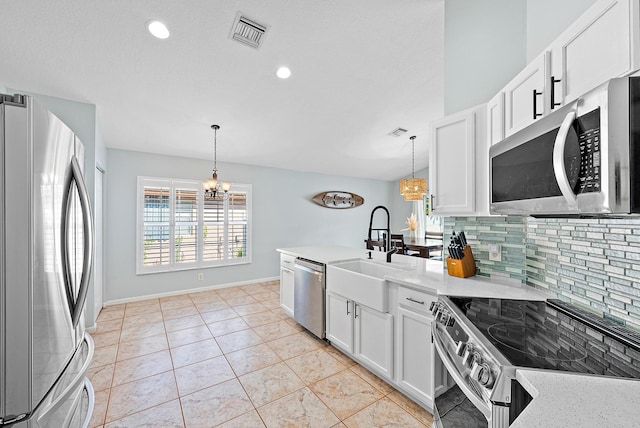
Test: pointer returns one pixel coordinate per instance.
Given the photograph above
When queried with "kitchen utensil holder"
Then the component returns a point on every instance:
(464, 267)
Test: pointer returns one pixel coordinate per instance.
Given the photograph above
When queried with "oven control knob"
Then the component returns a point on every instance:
(481, 372)
(460, 347)
(446, 319)
(435, 308)
(443, 318)
(469, 356)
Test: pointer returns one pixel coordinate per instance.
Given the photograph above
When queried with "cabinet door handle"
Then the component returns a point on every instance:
(554, 104)
(431, 208)
(415, 301)
(348, 308)
(535, 104)
(355, 310)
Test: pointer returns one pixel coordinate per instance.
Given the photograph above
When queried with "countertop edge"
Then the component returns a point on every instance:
(577, 400)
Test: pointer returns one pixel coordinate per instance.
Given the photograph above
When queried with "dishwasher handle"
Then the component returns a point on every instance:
(309, 265)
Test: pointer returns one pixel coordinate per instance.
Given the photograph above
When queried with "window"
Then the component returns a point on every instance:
(179, 229)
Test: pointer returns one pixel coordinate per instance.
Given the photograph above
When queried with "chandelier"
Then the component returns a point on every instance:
(413, 189)
(211, 186)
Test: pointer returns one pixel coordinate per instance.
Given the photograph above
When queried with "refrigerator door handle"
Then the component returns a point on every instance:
(79, 378)
(87, 224)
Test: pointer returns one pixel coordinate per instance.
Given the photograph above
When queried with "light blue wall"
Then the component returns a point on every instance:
(488, 42)
(485, 46)
(82, 119)
(282, 216)
(547, 19)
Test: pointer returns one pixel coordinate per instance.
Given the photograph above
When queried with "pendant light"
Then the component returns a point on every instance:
(211, 186)
(413, 189)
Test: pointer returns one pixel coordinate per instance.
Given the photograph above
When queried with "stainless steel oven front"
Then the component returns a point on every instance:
(482, 395)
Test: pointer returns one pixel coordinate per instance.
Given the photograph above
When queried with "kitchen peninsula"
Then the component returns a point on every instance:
(395, 343)
(380, 315)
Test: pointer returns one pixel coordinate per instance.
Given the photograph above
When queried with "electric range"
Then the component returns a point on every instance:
(482, 341)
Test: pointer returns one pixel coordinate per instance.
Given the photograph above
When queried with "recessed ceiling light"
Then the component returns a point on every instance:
(283, 72)
(158, 29)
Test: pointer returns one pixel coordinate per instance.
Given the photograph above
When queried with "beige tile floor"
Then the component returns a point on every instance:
(231, 358)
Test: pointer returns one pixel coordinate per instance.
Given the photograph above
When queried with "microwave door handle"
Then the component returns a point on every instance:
(558, 159)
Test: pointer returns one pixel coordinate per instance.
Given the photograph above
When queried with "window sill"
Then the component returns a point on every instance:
(195, 266)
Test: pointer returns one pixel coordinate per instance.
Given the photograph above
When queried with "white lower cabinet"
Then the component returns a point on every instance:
(374, 339)
(396, 346)
(362, 332)
(286, 290)
(339, 321)
(287, 263)
(414, 351)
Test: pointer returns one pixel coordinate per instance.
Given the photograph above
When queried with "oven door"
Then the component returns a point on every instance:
(461, 405)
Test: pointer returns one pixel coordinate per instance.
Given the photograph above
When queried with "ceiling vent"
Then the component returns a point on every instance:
(248, 32)
(397, 132)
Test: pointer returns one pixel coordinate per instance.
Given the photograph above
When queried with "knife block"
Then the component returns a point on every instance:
(464, 267)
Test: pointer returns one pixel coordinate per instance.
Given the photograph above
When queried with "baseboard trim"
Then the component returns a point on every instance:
(187, 291)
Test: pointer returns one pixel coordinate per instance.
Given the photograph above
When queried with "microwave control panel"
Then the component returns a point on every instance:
(588, 130)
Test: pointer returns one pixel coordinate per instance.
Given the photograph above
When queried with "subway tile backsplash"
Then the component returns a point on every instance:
(509, 232)
(594, 262)
(591, 262)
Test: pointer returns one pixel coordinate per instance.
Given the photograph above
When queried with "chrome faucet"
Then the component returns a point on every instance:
(393, 250)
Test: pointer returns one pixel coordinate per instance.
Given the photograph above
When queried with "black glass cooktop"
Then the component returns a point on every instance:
(551, 336)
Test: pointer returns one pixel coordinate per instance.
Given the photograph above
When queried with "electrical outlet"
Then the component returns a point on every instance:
(495, 252)
(200, 276)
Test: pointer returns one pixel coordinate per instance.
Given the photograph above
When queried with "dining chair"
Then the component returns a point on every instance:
(435, 235)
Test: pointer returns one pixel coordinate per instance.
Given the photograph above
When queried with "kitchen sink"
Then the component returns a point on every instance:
(362, 281)
(364, 267)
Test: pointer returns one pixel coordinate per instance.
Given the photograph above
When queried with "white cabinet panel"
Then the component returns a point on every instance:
(374, 339)
(459, 163)
(525, 95)
(339, 321)
(286, 290)
(415, 354)
(598, 46)
(452, 165)
(495, 119)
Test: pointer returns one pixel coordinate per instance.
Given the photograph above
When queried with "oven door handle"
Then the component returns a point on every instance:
(456, 375)
(559, 168)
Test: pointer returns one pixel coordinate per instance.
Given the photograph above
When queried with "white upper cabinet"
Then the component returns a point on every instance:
(458, 164)
(600, 45)
(495, 119)
(525, 95)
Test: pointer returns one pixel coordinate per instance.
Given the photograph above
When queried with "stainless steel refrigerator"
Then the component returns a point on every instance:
(46, 252)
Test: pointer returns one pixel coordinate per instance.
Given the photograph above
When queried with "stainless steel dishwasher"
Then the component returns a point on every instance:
(308, 295)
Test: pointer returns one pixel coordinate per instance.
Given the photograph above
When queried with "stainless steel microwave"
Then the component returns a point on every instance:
(581, 160)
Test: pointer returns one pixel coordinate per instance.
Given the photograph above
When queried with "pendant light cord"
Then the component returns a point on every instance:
(413, 156)
(215, 146)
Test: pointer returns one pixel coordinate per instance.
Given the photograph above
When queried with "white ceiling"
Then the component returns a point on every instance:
(360, 68)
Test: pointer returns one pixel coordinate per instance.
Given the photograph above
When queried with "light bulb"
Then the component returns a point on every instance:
(283, 72)
(158, 29)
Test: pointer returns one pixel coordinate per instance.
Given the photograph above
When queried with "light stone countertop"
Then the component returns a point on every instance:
(574, 400)
(327, 254)
(423, 274)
